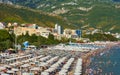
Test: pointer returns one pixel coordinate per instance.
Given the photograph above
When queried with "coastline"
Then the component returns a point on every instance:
(86, 57)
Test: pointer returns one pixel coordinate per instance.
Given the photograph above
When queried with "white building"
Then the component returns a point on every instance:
(2, 26)
(43, 32)
(56, 26)
(58, 29)
(70, 33)
(34, 26)
(40, 31)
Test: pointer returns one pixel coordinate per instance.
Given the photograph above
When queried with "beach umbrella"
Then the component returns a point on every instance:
(62, 73)
(44, 73)
(13, 64)
(25, 73)
(25, 65)
(77, 73)
(35, 69)
(10, 71)
(2, 68)
(4, 74)
(7, 66)
(14, 69)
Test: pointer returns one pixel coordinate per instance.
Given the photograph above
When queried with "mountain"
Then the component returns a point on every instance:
(11, 13)
(85, 14)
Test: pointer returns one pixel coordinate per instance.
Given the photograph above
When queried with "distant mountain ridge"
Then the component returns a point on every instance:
(85, 14)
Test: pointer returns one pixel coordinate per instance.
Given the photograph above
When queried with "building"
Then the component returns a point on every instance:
(70, 33)
(56, 26)
(34, 26)
(23, 30)
(58, 29)
(39, 32)
(2, 25)
(43, 32)
(79, 33)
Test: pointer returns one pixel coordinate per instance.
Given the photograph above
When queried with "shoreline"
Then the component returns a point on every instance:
(86, 57)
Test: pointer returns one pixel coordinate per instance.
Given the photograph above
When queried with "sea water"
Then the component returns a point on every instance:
(106, 63)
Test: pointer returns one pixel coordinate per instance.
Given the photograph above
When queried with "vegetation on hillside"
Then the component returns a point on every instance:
(103, 14)
(100, 37)
(104, 17)
(9, 13)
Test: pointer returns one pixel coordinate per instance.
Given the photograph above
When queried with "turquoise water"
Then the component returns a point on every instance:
(107, 63)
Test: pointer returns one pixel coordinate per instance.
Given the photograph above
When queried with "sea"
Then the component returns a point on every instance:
(116, 0)
(106, 63)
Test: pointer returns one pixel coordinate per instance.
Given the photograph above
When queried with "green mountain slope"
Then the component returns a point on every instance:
(9, 13)
(106, 18)
(102, 14)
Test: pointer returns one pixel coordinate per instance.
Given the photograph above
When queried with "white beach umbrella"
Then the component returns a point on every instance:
(4, 74)
(14, 69)
(44, 73)
(62, 73)
(7, 66)
(35, 69)
(25, 65)
(77, 73)
(10, 71)
(2, 68)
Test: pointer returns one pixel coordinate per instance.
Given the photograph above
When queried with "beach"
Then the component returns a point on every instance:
(58, 60)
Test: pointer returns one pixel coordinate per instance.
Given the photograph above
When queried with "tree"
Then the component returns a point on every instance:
(6, 40)
(51, 37)
(101, 37)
